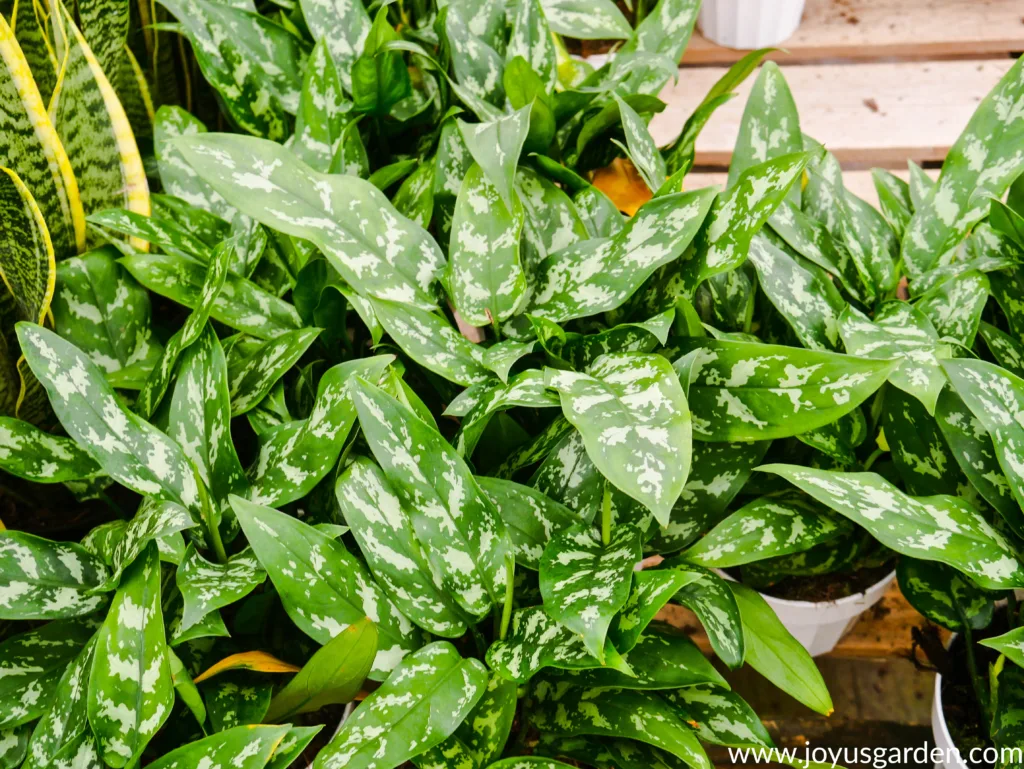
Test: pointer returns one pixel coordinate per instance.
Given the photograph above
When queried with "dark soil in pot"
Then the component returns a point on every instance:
(822, 587)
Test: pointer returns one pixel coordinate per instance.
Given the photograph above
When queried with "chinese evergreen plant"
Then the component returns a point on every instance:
(412, 366)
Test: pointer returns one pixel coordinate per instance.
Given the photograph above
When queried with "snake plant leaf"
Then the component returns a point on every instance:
(708, 597)
(130, 688)
(177, 177)
(29, 453)
(28, 22)
(478, 67)
(585, 582)
(982, 162)
(415, 197)
(994, 396)
(40, 579)
(722, 717)
(737, 215)
(769, 128)
(240, 304)
(597, 275)
(531, 39)
(418, 707)
(773, 652)
(893, 199)
(93, 127)
(32, 150)
(639, 437)
(328, 589)
(375, 250)
(767, 527)
(943, 595)
(636, 715)
(531, 518)
(252, 375)
(586, 19)
(128, 449)
(206, 586)
(244, 747)
(344, 26)
(33, 663)
(254, 64)
(387, 537)
(333, 675)
(651, 591)
(485, 273)
(323, 111)
(536, 641)
(919, 450)
(641, 147)
(28, 266)
(292, 746)
(938, 528)
(455, 522)
(297, 456)
(1008, 352)
(99, 308)
(955, 306)
(746, 391)
(803, 294)
(67, 717)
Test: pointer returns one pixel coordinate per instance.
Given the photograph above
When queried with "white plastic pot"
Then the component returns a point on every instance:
(749, 24)
(818, 626)
(940, 732)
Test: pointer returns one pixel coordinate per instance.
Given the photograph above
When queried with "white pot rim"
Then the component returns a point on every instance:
(849, 599)
(940, 710)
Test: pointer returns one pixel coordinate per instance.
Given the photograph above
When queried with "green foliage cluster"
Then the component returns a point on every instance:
(386, 403)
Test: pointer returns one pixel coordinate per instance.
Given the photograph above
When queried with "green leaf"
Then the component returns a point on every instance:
(415, 198)
(328, 588)
(982, 162)
(40, 579)
(1008, 352)
(130, 450)
(206, 586)
(641, 147)
(177, 177)
(252, 374)
(186, 688)
(586, 19)
(921, 185)
(531, 39)
(639, 434)
(721, 717)
(954, 307)
(528, 762)
(486, 729)
(102, 311)
(586, 582)
(1009, 710)
(420, 705)
(919, 450)
(775, 654)
(1011, 644)
(244, 747)
(708, 596)
(939, 528)
(167, 235)
(598, 275)
(609, 754)
(375, 249)
(496, 146)
(477, 66)
(240, 304)
(130, 688)
(387, 536)
(1006, 289)
(28, 262)
(292, 746)
(233, 703)
(380, 78)
(894, 199)
(943, 595)
(460, 529)
(767, 527)
(332, 676)
(30, 453)
(665, 31)
(67, 718)
(746, 391)
(345, 26)
(641, 716)
(531, 518)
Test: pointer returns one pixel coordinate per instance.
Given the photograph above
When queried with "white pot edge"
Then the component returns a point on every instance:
(750, 24)
(940, 732)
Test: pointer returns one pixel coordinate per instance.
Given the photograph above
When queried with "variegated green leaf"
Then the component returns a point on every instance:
(30, 453)
(252, 373)
(986, 158)
(954, 307)
(1011, 644)
(751, 391)
(639, 434)
(374, 248)
(128, 449)
(722, 717)
(420, 705)
(243, 747)
(176, 175)
(651, 591)
(944, 595)
(1007, 287)
(206, 586)
(415, 198)
(531, 39)
(921, 185)
(292, 746)
(893, 199)
(600, 274)
(939, 528)
(232, 702)
(902, 333)
(344, 25)
(528, 762)
(536, 641)
(99, 308)
(40, 579)
(496, 145)
(323, 112)
(327, 589)
(708, 596)
(165, 234)
(130, 689)
(531, 518)
(608, 754)
(665, 31)
(1008, 352)
(32, 150)
(586, 19)
(478, 67)
(553, 221)
(919, 451)
(240, 303)
(387, 536)
(486, 729)
(641, 147)
(28, 263)
(585, 581)
(154, 520)
(482, 401)
(637, 715)
(460, 529)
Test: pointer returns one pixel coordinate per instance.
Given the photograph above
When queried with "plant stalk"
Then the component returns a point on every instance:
(506, 610)
(606, 515)
(980, 690)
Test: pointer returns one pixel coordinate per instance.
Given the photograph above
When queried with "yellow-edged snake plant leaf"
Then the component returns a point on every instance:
(27, 264)
(27, 19)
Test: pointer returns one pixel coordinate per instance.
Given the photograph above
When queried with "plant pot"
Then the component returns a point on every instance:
(818, 626)
(749, 24)
(940, 731)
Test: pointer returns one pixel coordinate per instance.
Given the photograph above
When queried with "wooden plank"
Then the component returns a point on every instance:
(873, 29)
(886, 630)
(879, 114)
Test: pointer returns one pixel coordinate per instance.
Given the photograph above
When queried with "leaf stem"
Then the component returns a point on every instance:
(495, 326)
(980, 691)
(1011, 610)
(506, 611)
(871, 459)
(606, 515)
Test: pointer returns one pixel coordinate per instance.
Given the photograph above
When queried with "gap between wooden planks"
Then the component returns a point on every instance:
(878, 114)
(874, 29)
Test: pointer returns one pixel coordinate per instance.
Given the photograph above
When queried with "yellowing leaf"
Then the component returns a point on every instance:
(261, 662)
(623, 185)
